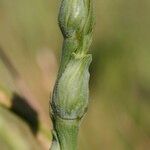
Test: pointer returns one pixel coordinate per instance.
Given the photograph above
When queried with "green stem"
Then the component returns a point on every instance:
(67, 132)
(71, 92)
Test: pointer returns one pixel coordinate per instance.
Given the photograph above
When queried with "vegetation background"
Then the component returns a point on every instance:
(30, 47)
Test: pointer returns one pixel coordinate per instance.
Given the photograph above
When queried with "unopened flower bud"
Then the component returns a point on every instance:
(76, 17)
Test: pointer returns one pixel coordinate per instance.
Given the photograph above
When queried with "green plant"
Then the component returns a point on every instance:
(71, 91)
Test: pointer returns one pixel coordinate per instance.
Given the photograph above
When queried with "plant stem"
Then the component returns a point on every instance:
(67, 131)
(71, 92)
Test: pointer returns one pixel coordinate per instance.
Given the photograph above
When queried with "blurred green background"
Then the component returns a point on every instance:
(30, 49)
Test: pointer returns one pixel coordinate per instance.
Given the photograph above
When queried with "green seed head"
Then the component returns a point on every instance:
(70, 97)
(71, 93)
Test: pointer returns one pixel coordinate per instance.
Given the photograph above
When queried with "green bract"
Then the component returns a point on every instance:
(72, 91)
